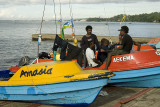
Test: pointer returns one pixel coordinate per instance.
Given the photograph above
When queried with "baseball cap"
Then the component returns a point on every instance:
(124, 28)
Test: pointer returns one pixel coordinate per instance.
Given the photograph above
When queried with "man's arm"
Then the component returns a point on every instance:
(96, 61)
(119, 48)
(123, 43)
(82, 44)
(105, 49)
(96, 42)
(138, 45)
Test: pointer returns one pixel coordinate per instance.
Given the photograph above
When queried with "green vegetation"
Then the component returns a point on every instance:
(152, 17)
(96, 19)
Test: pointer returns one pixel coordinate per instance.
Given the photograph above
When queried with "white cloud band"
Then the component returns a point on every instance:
(27, 2)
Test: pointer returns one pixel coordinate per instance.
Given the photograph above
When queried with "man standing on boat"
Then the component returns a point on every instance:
(124, 48)
(86, 39)
(89, 37)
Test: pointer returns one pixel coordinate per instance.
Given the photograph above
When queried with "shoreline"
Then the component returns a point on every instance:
(69, 38)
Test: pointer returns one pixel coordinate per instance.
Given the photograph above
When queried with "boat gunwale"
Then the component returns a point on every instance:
(86, 77)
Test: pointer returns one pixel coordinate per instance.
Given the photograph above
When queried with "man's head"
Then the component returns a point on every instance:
(89, 29)
(123, 30)
(104, 42)
(91, 45)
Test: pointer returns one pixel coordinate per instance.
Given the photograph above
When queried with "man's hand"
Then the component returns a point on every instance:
(102, 50)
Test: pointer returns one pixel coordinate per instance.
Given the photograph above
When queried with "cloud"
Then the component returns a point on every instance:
(38, 2)
(9, 13)
(111, 1)
(6, 14)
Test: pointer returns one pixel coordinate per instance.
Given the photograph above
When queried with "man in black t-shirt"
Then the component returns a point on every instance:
(125, 48)
(87, 39)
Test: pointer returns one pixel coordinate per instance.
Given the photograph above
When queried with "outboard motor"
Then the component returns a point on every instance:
(24, 61)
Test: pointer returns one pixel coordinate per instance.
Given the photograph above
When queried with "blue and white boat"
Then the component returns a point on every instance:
(56, 82)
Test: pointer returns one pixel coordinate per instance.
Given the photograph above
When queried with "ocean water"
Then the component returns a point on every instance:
(16, 36)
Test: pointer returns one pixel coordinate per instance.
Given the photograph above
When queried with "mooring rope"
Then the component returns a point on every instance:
(71, 14)
(42, 17)
(55, 15)
(110, 39)
(60, 16)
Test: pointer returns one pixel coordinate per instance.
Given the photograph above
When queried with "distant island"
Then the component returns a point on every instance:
(152, 17)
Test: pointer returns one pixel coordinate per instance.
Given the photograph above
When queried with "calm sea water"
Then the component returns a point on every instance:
(16, 36)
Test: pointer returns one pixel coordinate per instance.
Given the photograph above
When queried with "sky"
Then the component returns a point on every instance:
(33, 9)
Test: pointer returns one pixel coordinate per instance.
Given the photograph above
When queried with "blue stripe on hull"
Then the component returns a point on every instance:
(142, 83)
(69, 93)
(148, 77)
(83, 97)
(53, 88)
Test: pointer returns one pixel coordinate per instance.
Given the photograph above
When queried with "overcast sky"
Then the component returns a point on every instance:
(33, 9)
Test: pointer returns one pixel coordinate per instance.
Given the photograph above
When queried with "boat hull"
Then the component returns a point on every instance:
(69, 93)
(148, 77)
(138, 69)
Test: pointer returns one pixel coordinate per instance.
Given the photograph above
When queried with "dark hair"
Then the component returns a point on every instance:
(104, 41)
(88, 27)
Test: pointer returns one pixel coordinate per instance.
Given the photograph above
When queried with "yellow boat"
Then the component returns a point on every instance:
(55, 82)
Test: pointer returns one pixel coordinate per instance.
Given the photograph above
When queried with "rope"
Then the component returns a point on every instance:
(51, 94)
(71, 14)
(36, 31)
(55, 15)
(41, 29)
(38, 45)
(124, 15)
(37, 28)
(42, 17)
(60, 16)
(110, 39)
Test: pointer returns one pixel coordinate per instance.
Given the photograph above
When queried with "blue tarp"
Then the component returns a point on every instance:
(158, 45)
(4, 73)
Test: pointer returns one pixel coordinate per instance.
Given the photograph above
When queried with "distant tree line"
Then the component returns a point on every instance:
(96, 19)
(152, 17)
